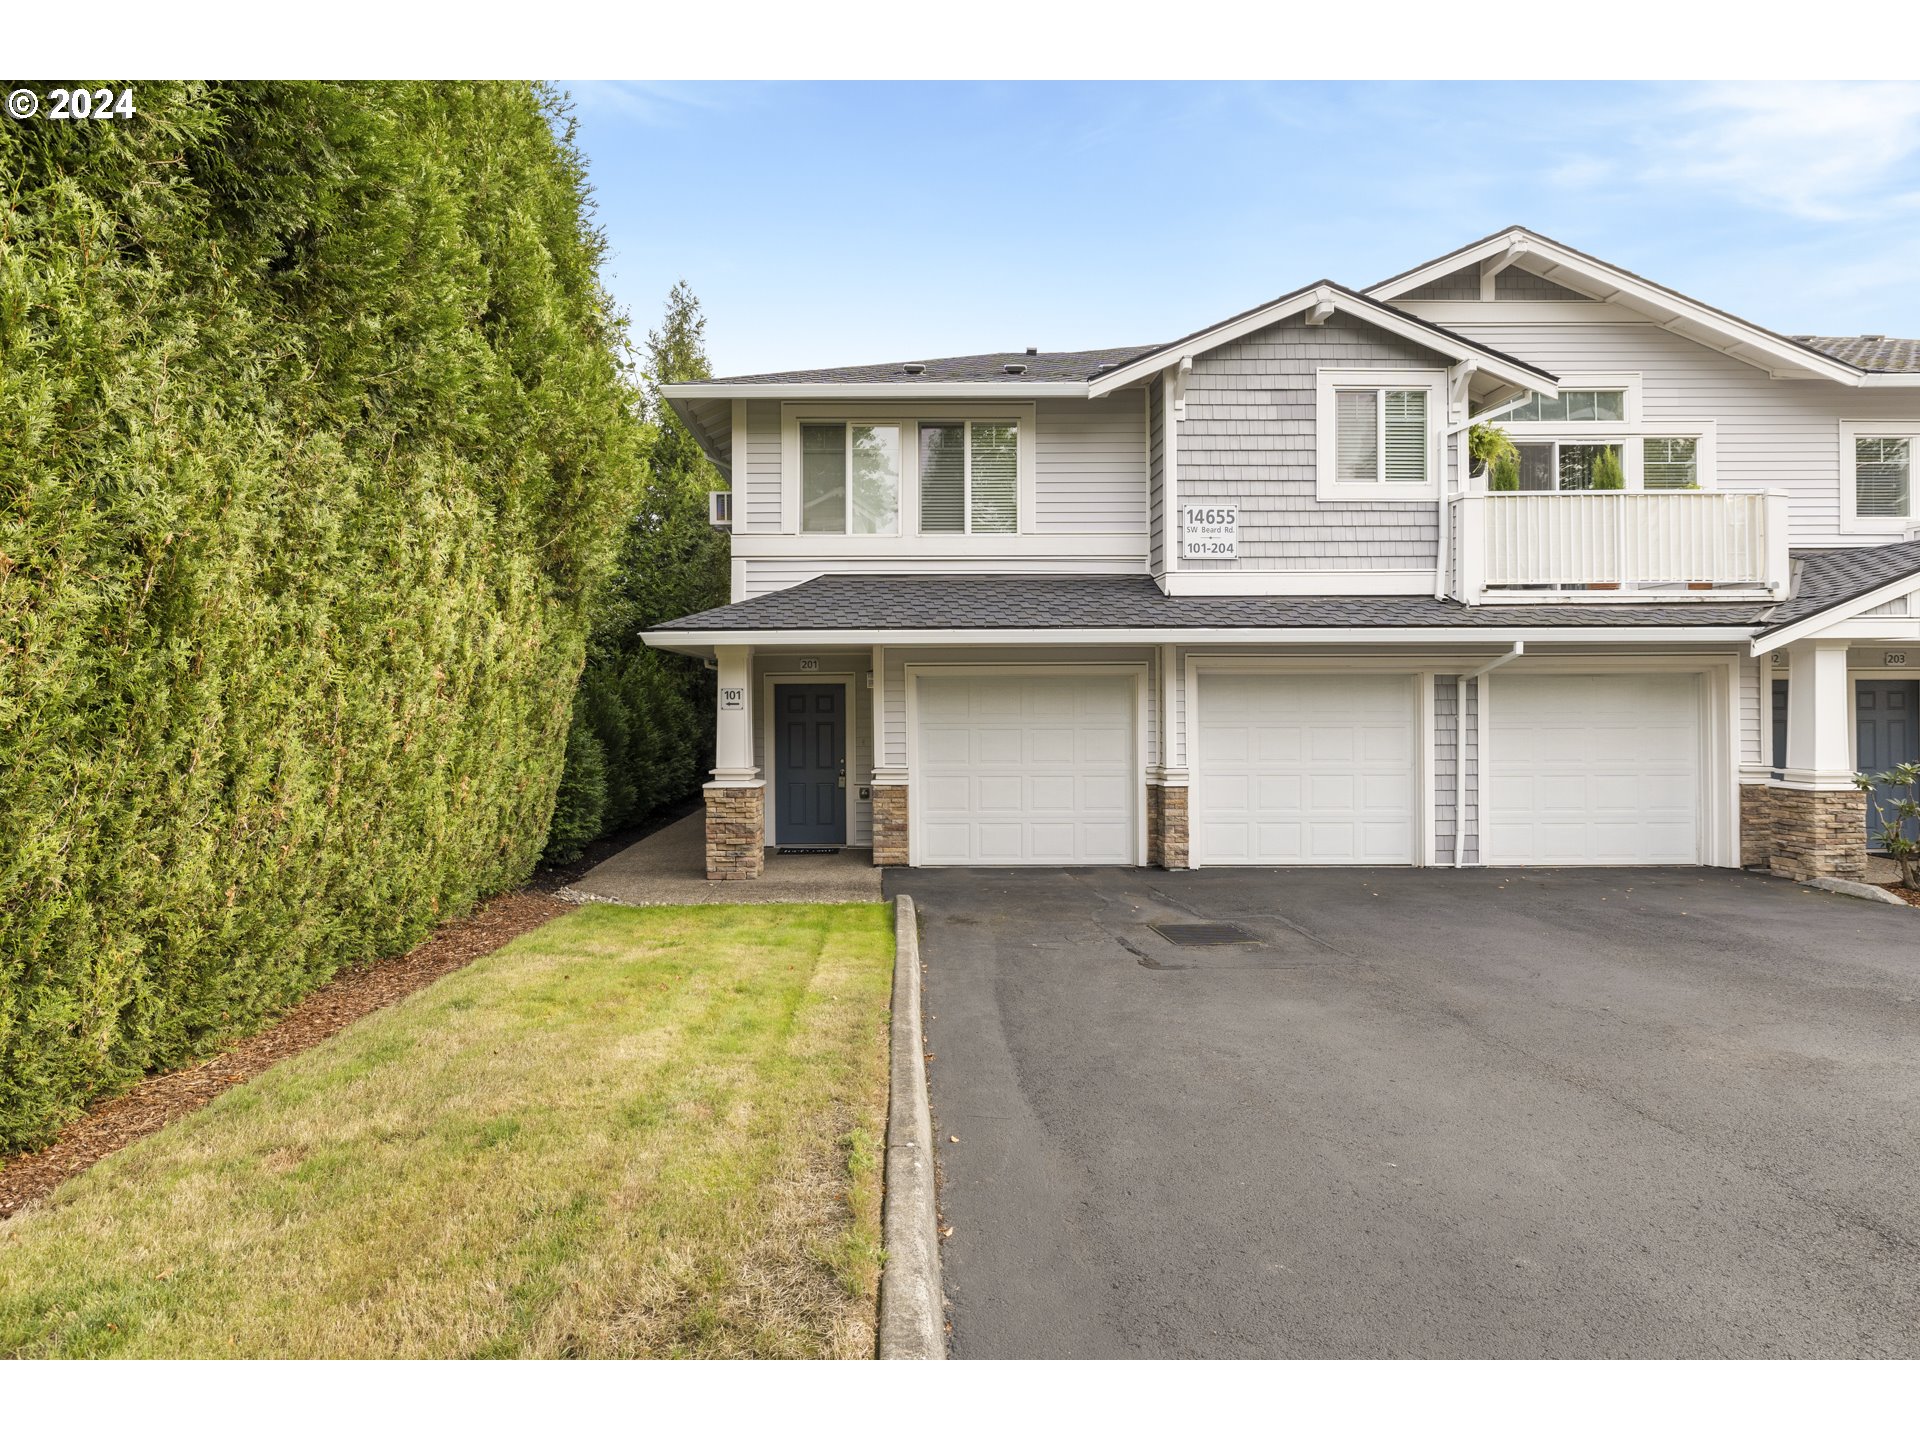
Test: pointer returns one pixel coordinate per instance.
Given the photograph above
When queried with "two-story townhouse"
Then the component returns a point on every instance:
(1243, 598)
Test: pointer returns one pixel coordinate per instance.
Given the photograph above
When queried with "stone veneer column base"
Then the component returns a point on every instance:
(1756, 826)
(1167, 826)
(736, 831)
(1819, 833)
(890, 825)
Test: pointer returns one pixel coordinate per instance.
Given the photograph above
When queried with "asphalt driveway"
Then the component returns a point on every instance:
(1478, 1113)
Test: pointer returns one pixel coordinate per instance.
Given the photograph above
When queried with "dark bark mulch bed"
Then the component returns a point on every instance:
(1912, 897)
(160, 1099)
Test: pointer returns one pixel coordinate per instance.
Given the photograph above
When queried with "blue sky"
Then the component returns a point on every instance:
(826, 224)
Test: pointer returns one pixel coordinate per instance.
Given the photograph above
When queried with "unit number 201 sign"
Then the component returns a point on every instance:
(1209, 532)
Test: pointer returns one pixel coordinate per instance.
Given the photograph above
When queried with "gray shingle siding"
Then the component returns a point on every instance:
(1512, 283)
(1247, 438)
(1445, 744)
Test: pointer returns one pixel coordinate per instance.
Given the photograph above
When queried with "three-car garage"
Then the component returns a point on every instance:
(1292, 766)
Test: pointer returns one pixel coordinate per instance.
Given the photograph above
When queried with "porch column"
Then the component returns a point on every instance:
(1819, 818)
(736, 796)
(1167, 844)
(889, 780)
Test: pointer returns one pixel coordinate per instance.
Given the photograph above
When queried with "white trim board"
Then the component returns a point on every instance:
(1689, 318)
(1314, 299)
(1835, 617)
(1730, 636)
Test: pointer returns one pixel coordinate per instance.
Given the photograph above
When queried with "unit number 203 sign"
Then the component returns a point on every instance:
(1209, 532)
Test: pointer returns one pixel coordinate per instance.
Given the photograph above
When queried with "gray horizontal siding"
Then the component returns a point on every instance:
(1156, 475)
(756, 474)
(1090, 466)
(1247, 438)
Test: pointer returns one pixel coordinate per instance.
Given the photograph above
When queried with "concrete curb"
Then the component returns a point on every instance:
(1859, 889)
(912, 1308)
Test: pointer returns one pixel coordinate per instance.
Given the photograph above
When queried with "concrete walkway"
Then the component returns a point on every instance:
(669, 867)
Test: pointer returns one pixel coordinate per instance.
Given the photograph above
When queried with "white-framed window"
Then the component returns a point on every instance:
(1378, 434)
(969, 477)
(1876, 475)
(849, 478)
(853, 474)
(1595, 426)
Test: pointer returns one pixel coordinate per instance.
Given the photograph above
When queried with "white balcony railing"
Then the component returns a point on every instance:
(1551, 546)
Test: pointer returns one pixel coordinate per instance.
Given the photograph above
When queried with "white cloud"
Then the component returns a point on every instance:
(1816, 150)
(647, 102)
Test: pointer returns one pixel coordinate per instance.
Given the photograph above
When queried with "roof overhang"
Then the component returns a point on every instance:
(1691, 319)
(1493, 371)
(1839, 614)
(697, 642)
(877, 390)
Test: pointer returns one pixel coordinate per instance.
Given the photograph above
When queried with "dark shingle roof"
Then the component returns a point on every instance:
(1130, 602)
(1827, 578)
(1879, 354)
(1047, 365)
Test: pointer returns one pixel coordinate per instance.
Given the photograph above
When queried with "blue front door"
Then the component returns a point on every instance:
(809, 765)
(1886, 713)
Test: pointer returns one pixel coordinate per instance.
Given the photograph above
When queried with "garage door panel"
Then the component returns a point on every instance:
(1026, 770)
(1320, 772)
(1594, 769)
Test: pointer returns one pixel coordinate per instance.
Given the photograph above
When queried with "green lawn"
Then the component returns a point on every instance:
(631, 1132)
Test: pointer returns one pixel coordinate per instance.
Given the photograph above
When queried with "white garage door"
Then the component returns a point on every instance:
(1594, 770)
(1306, 770)
(1026, 770)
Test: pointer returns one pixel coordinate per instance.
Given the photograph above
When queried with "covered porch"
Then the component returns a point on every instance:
(1837, 701)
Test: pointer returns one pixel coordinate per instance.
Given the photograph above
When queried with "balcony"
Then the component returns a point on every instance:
(1528, 547)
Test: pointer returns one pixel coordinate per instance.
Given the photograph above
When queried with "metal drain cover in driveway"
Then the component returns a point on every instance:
(1204, 934)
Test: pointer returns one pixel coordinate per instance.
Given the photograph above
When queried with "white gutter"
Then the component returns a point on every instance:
(1364, 636)
(1008, 389)
(1460, 751)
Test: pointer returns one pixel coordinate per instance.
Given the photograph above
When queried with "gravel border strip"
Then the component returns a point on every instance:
(912, 1308)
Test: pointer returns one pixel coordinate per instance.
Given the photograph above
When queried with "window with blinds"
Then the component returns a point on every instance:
(970, 477)
(1882, 486)
(1669, 463)
(1380, 435)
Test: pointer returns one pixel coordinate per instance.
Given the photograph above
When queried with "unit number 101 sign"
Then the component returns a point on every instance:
(1209, 532)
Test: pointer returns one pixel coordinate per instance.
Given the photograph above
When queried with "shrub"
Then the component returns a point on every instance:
(1607, 472)
(1505, 472)
(1895, 800)
(313, 444)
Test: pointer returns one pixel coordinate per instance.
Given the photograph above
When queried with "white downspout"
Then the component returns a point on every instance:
(1460, 750)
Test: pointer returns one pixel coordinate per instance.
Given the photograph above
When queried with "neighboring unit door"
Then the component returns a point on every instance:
(809, 765)
(1593, 770)
(1885, 734)
(1306, 770)
(1025, 770)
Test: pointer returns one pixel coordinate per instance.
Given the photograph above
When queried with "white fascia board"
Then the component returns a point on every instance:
(1835, 615)
(1285, 308)
(881, 390)
(1891, 382)
(1707, 326)
(688, 643)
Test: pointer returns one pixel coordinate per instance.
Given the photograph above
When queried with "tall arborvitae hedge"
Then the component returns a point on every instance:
(313, 441)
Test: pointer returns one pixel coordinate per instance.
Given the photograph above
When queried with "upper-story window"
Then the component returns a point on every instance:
(1572, 407)
(906, 469)
(1591, 437)
(1876, 463)
(969, 477)
(849, 479)
(1377, 435)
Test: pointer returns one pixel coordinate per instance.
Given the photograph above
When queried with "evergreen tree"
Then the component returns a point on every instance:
(643, 719)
